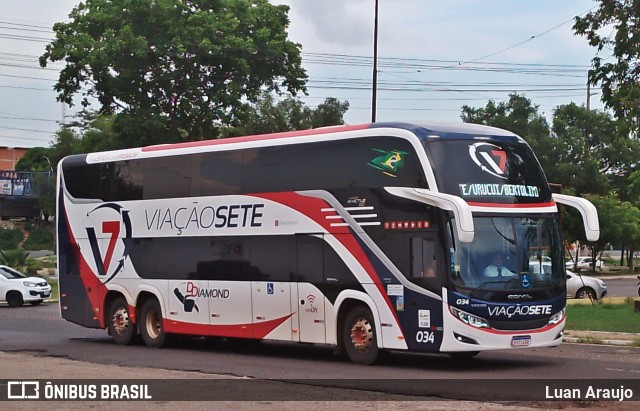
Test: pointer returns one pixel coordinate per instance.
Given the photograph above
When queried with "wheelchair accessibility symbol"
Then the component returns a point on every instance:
(269, 288)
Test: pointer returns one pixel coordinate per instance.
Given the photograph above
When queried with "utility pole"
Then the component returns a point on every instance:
(374, 86)
(588, 95)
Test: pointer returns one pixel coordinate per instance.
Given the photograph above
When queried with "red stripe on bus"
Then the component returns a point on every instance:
(95, 289)
(513, 332)
(502, 205)
(251, 330)
(310, 207)
(257, 137)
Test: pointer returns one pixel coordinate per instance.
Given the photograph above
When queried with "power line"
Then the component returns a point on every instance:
(26, 88)
(26, 138)
(27, 118)
(529, 39)
(27, 129)
(10, 22)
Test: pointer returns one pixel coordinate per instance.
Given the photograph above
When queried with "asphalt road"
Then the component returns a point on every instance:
(621, 287)
(39, 331)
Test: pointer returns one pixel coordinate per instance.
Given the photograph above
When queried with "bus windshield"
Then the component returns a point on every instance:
(509, 254)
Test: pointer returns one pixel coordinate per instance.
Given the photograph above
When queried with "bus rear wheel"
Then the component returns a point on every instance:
(120, 326)
(359, 336)
(151, 325)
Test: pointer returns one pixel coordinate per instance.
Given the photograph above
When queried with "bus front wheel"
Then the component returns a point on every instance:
(151, 326)
(359, 336)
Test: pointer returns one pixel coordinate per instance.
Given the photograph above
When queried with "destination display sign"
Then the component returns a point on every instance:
(487, 171)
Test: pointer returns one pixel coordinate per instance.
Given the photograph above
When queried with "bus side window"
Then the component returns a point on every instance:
(167, 177)
(424, 263)
(270, 259)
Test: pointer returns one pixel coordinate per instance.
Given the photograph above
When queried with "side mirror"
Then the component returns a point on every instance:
(587, 210)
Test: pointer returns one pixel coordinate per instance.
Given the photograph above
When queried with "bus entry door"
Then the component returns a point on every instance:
(310, 277)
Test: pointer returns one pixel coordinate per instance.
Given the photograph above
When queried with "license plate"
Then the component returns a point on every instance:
(521, 341)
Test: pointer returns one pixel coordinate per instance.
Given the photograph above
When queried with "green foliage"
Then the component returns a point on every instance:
(45, 189)
(14, 258)
(174, 70)
(613, 29)
(594, 153)
(329, 113)
(40, 236)
(619, 224)
(10, 238)
(54, 289)
(289, 114)
(35, 159)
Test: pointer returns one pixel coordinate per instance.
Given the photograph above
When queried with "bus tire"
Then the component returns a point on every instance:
(119, 323)
(359, 336)
(151, 325)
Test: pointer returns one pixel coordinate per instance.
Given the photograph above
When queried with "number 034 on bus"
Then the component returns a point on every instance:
(369, 238)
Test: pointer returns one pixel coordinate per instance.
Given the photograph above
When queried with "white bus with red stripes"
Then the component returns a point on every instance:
(370, 238)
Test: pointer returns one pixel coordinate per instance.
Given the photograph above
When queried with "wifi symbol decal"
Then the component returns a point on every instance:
(311, 298)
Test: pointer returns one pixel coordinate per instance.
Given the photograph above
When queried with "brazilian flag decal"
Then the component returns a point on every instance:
(389, 162)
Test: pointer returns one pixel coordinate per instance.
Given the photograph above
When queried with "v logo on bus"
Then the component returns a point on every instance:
(111, 227)
(485, 155)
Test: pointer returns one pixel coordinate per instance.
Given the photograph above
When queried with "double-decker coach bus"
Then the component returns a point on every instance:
(384, 236)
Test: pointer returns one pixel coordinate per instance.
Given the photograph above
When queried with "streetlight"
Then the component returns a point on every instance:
(374, 86)
(48, 161)
(13, 157)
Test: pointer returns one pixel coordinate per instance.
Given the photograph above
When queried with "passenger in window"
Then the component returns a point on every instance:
(429, 272)
(497, 268)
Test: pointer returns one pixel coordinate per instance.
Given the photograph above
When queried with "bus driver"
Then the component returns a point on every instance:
(497, 268)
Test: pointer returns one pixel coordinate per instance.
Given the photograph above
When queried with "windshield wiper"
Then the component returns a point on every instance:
(482, 285)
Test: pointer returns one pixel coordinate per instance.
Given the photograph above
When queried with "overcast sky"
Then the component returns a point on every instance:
(434, 57)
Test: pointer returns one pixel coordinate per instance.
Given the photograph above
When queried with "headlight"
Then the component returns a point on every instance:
(470, 319)
(29, 284)
(557, 317)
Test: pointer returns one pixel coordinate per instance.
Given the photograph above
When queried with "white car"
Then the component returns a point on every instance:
(578, 286)
(583, 286)
(17, 289)
(584, 263)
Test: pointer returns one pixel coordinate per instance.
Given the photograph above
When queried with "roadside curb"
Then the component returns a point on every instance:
(583, 340)
(621, 339)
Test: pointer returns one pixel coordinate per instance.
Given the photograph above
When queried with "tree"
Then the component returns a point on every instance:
(620, 224)
(269, 115)
(329, 113)
(594, 153)
(35, 159)
(613, 28)
(174, 70)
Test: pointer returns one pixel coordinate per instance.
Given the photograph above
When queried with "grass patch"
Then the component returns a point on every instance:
(603, 317)
(40, 236)
(54, 289)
